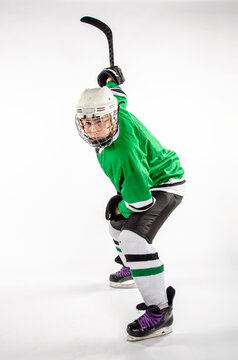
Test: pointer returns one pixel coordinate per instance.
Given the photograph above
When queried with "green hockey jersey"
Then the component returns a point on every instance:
(136, 162)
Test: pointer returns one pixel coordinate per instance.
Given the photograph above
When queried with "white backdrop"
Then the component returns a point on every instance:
(180, 61)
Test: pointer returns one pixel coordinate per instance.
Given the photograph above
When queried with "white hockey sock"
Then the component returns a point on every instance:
(115, 235)
(119, 251)
(146, 267)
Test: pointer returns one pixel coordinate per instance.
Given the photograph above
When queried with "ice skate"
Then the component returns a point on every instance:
(154, 322)
(122, 279)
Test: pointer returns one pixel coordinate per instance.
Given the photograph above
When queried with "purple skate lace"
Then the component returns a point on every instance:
(125, 271)
(149, 319)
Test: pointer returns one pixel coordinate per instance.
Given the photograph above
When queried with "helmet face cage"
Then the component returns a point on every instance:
(97, 130)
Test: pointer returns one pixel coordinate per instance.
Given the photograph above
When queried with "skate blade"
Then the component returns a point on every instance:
(160, 332)
(122, 285)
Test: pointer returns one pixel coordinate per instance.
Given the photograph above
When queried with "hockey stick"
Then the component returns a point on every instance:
(107, 31)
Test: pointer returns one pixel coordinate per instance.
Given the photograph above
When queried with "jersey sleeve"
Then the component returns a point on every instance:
(135, 187)
(118, 93)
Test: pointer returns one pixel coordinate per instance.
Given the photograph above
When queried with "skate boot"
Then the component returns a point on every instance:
(154, 322)
(122, 279)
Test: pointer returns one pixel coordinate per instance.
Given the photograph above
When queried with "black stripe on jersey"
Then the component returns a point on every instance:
(118, 92)
(116, 242)
(144, 257)
(121, 102)
(168, 185)
(143, 208)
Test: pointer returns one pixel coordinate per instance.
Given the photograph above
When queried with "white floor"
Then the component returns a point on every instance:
(86, 319)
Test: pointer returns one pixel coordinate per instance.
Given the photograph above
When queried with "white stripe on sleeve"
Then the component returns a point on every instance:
(141, 206)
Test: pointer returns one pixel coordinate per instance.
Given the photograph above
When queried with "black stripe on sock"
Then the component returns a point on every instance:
(118, 260)
(143, 257)
(116, 242)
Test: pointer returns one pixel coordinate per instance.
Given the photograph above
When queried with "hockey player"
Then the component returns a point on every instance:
(149, 181)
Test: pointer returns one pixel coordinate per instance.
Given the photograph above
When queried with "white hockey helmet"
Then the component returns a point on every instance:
(96, 116)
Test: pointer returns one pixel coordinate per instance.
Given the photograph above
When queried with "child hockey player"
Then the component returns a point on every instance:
(149, 181)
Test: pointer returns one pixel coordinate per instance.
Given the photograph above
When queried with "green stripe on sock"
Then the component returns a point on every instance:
(147, 272)
(118, 249)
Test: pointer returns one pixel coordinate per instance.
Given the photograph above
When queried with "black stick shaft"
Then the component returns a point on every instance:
(106, 30)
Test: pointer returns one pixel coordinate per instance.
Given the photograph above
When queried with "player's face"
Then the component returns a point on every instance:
(97, 128)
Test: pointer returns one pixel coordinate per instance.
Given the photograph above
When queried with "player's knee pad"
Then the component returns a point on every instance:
(131, 243)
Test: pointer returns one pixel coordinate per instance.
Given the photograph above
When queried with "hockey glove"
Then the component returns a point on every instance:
(110, 209)
(114, 72)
